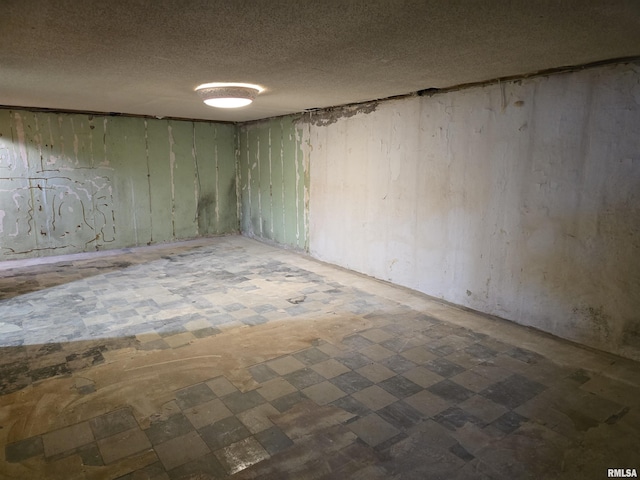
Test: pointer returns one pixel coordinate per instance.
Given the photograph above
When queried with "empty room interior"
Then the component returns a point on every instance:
(411, 250)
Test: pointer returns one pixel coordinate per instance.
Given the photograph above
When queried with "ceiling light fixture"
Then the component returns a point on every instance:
(228, 95)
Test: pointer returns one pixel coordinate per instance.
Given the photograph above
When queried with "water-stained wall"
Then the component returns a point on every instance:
(274, 182)
(71, 183)
(519, 199)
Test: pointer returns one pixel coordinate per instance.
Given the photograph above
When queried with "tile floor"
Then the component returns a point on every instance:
(227, 357)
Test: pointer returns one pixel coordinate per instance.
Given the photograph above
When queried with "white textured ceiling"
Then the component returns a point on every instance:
(146, 56)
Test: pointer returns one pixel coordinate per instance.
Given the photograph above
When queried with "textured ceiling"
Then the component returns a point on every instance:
(146, 56)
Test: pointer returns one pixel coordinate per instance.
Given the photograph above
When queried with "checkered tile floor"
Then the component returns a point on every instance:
(391, 384)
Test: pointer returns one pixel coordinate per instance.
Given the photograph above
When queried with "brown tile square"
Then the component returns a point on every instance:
(181, 450)
(376, 335)
(67, 438)
(330, 349)
(207, 413)
(427, 403)
(472, 380)
(483, 408)
(257, 418)
(375, 372)
(323, 393)
(27, 448)
(285, 365)
(374, 397)
(423, 376)
(112, 423)
(419, 355)
(179, 340)
(376, 352)
(276, 388)
(330, 368)
(373, 430)
(123, 445)
(221, 386)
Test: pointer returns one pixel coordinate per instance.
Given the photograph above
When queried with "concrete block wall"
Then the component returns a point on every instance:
(72, 183)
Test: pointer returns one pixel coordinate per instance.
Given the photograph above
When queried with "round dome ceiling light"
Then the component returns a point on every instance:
(228, 95)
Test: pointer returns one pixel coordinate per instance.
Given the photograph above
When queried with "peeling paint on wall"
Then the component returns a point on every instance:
(519, 199)
(72, 183)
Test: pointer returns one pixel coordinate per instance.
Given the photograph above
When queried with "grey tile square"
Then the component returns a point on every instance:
(422, 376)
(398, 344)
(509, 422)
(330, 368)
(264, 308)
(67, 438)
(351, 382)
(224, 432)
(262, 373)
(285, 403)
(480, 352)
(112, 423)
(276, 388)
(580, 376)
(258, 418)
(444, 367)
(459, 451)
(155, 471)
(376, 372)
(241, 455)
(418, 355)
(323, 393)
(174, 426)
(207, 413)
(123, 444)
(311, 356)
(285, 365)
(353, 360)
(454, 418)
(240, 401)
(221, 386)
(24, 449)
(206, 332)
(513, 391)
(374, 397)
(373, 430)
(254, 320)
(401, 415)
(376, 335)
(400, 386)
(398, 364)
(90, 455)
(376, 352)
(180, 450)
(483, 408)
(205, 467)
(451, 391)
(274, 440)
(303, 378)
(232, 307)
(351, 405)
(524, 355)
(356, 342)
(194, 395)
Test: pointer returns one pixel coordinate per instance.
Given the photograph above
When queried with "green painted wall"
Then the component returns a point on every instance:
(273, 175)
(71, 183)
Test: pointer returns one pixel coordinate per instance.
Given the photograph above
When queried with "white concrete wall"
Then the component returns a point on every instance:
(519, 199)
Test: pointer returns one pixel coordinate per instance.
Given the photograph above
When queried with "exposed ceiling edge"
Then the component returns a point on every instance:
(351, 106)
